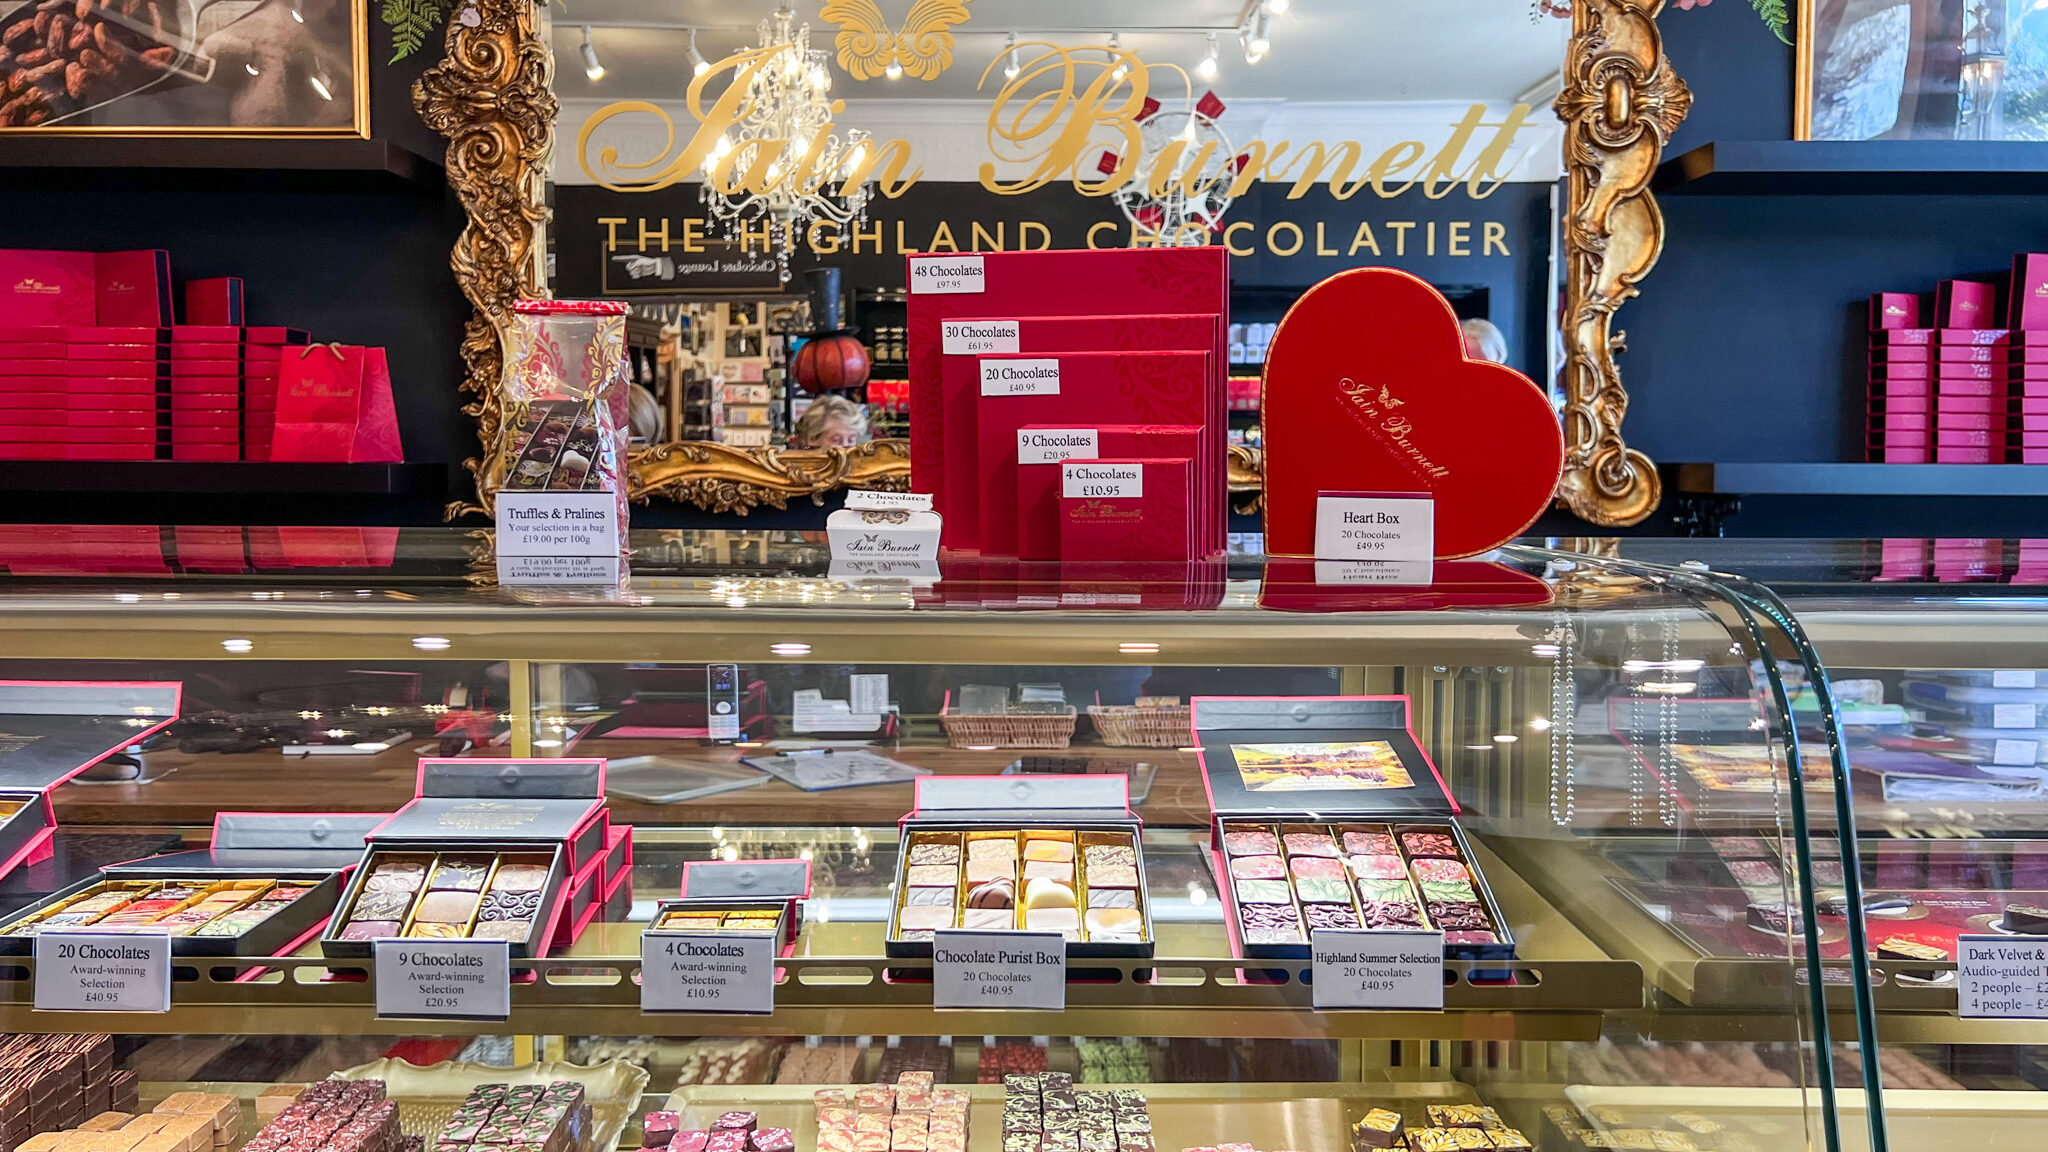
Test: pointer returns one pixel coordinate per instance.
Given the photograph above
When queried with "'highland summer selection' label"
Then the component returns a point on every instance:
(1020, 377)
(1018, 970)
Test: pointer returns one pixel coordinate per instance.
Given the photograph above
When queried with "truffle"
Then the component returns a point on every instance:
(994, 894)
(1048, 894)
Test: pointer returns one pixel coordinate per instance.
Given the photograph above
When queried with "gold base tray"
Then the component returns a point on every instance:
(428, 1096)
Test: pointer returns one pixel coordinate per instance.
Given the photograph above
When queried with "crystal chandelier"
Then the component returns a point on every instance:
(784, 121)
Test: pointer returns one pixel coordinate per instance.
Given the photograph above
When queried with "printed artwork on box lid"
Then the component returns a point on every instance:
(1331, 755)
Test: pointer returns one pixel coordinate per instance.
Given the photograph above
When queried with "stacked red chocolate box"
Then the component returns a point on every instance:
(80, 393)
(334, 1116)
(2027, 312)
(1970, 375)
(1901, 381)
(206, 392)
(519, 1118)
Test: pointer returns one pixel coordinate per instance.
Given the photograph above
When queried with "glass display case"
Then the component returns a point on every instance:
(1612, 785)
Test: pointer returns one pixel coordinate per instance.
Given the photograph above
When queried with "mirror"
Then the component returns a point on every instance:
(1309, 136)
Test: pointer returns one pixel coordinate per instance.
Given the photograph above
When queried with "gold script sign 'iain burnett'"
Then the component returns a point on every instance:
(1049, 119)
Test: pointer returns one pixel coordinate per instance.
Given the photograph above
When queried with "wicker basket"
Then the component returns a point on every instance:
(1124, 726)
(1009, 730)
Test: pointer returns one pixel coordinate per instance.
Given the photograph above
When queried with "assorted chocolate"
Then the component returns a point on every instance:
(1290, 878)
(1043, 1112)
(342, 1115)
(1082, 883)
(449, 895)
(184, 1122)
(552, 1117)
(911, 1115)
(49, 1083)
(176, 907)
(731, 1132)
(708, 919)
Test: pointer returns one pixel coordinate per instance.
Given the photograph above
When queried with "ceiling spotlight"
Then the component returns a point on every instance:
(1207, 68)
(1279, 7)
(894, 71)
(698, 64)
(591, 67)
(1015, 65)
(1262, 32)
(1116, 53)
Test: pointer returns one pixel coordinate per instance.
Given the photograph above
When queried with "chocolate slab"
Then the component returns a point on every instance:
(1263, 892)
(934, 854)
(1459, 916)
(369, 929)
(513, 930)
(446, 908)
(382, 905)
(1258, 867)
(1112, 898)
(460, 874)
(1439, 844)
(519, 878)
(1250, 842)
(1112, 876)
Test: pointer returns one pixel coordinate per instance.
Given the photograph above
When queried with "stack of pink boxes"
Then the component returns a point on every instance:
(2028, 316)
(1970, 375)
(1901, 381)
(224, 376)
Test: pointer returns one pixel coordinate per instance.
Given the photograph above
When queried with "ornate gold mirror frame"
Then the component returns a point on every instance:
(491, 98)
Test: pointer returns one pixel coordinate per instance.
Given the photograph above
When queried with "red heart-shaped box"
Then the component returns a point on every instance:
(1367, 389)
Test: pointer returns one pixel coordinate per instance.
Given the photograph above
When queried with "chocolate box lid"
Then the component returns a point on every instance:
(1326, 755)
(277, 842)
(51, 730)
(496, 799)
(746, 879)
(1048, 798)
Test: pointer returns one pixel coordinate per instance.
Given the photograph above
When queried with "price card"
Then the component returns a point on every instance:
(1375, 526)
(948, 276)
(707, 972)
(444, 979)
(1021, 970)
(103, 972)
(1357, 968)
(2002, 977)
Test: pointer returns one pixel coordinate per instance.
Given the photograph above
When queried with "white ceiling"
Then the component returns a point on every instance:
(1323, 50)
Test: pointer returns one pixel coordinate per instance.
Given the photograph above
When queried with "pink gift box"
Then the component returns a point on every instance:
(1973, 405)
(1946, 371)
(1969, 421)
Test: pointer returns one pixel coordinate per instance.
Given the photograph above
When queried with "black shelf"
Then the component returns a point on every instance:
(323, 164)
(1857, 168)
(1951, 480)
(162, 476)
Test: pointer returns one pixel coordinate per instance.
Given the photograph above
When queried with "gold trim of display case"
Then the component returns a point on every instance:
(1620, 102)
(852, 996)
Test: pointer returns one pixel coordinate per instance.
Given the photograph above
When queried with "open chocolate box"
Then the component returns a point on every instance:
(265, 884)
(1022, 853)
(56, 729)
(1328, 814)
(739, 896)
(485, 850)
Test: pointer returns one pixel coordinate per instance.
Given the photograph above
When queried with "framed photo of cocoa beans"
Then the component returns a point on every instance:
(184, 67)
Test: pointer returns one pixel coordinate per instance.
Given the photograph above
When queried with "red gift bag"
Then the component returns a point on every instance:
(334, 406)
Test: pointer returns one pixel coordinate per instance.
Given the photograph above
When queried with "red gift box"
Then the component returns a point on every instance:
(79, 418)
(40, 350)
(1993, 354)
(1130, 510)
(1898, 405)
(1964, 303)
(1078, 389)
(51, 368)
(1953, 370)
(1894, 310)
(1123, 281)
(133, 289)
(1969, 421)
(1964, 386)
(214, 302)
(77, 451)
(1041, 448)
(206, 453)
(1922, 370)
(116, 354)
(1883, 356)
(132, 336)
(187, 352)
(334, 405)
(43, 433)
(963, 340)
(1954, 403)
(42, 287)
(1959, 336)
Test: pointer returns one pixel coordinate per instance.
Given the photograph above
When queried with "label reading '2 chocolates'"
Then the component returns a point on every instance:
(1052, 445)
(948, 276)
(979, 337)
(1020, 377)
(1102, 481)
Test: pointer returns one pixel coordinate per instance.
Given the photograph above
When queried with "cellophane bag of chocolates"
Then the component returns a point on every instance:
(564, 398)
